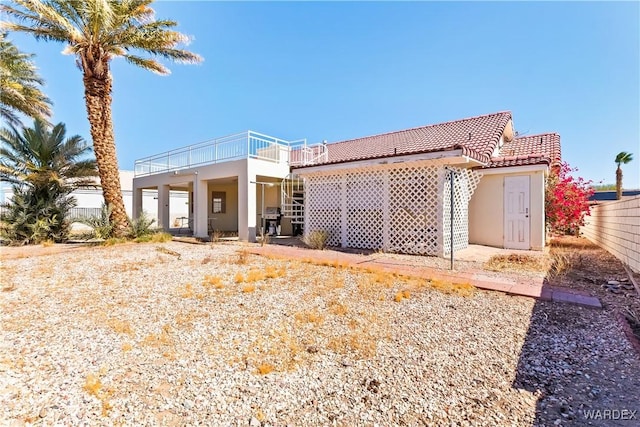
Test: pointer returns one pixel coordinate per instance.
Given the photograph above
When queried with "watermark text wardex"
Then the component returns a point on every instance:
(610, 414)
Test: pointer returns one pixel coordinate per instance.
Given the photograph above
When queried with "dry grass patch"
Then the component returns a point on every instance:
(120, 326)
(162, 338)
(273, 273)
(462, 289)
(568, 242)
(187, 291)
(563, 261)
(8, 287)
(337, 308)
(265, 368)
(242, 257)
(369, 288)
(255, 275)
(309, 316)
(213, 281)
(248, 288)
(278, 350)
(517, 262)
(401, 295)
(93, 386)
(360, 342)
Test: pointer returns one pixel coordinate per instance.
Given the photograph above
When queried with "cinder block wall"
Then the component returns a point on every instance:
(615, 226)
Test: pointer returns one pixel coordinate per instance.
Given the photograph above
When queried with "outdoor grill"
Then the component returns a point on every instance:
(271, 213)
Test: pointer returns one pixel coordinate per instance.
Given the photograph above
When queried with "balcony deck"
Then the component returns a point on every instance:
(244, 145)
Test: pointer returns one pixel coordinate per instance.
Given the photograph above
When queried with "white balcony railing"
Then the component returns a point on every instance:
(233, 147)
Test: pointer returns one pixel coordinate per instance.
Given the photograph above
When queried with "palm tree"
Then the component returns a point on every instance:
(44, 167)
(96, 32)
(621, 159)
(20, 85)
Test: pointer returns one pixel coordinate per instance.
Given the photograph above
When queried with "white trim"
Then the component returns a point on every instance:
(449, 157)
(514, 169)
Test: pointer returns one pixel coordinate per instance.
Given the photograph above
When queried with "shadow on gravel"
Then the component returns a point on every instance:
(578, 361)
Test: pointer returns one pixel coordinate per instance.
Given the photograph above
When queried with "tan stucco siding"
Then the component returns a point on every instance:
(486, 210)
(227, 221)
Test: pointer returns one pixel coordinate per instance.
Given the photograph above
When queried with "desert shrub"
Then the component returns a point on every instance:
(562, 262)
(317, 239)
(102, 226)
(216, 236)
(35, 215)
(158, 237)
(142, 226)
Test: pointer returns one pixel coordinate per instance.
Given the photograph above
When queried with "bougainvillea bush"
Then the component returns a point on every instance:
(566, 200)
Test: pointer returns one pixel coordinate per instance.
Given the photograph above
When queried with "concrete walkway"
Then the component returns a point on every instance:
(528, 287)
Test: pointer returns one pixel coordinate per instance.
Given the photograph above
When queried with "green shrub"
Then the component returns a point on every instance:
(316, 239)
(142, 226)
(159, 237)
(101, 224)
(34, 216)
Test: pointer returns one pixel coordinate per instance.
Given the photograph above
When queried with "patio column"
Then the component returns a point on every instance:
(163, 207)
(137, 202)
(200, 208)
(247, 207)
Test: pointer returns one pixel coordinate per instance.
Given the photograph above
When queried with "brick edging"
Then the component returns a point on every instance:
(633, 339)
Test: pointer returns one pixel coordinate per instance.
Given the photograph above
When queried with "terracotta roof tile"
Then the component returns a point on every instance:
(476, 136)
(529, 150)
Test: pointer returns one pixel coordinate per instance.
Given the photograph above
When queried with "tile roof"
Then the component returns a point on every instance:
(477, 137)
(529, 150)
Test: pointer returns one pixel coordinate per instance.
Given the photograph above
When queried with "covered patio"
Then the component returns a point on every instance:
(225, 179)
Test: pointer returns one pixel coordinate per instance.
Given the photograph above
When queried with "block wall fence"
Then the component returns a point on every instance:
(615, 227)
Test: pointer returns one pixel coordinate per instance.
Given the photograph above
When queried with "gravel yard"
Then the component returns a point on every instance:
(174, 334)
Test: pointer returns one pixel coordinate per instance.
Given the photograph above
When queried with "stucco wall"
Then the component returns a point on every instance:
(227, 221)
(615, 226)
(92, 198)
(486, 209)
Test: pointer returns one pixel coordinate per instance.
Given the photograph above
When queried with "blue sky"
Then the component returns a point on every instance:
(336, 71)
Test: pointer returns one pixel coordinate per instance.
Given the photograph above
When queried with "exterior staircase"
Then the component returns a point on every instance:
(293, 199)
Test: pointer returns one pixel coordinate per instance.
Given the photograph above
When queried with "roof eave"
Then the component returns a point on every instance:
(456, 156)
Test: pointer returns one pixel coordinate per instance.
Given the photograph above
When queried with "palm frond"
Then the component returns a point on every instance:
(98, 30)
(20, 85)
(148, 64)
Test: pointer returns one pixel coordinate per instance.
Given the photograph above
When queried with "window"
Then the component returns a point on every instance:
(219, 202)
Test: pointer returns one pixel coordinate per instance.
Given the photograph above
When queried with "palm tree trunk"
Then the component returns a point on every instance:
(97, 92)
(618, 183)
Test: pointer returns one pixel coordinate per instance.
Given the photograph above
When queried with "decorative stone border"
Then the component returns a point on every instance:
(635, 342)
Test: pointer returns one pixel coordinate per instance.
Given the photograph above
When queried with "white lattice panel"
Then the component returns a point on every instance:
(323, 195)
(364, 209)
(413, 210)
(403, 209)
(465, 184)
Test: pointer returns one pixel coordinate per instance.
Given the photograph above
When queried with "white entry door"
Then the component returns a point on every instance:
(516, 212)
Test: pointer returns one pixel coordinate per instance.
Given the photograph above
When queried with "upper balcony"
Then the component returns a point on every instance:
(245, 145)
